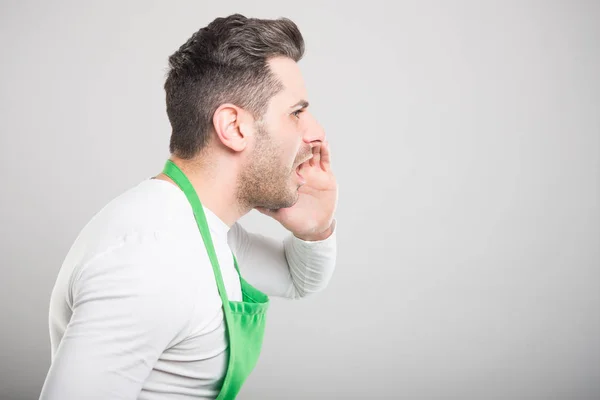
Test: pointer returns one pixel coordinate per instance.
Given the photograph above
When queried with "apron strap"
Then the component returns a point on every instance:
(172, 171)
(236, 265)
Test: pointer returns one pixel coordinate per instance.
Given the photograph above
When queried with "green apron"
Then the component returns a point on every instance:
(244, 320)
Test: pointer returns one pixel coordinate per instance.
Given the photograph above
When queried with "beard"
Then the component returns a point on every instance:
(265, 181)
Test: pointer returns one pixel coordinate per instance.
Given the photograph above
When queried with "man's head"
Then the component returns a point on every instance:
(235, 89)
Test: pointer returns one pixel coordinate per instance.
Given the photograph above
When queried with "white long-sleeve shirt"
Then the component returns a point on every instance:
(135, 312)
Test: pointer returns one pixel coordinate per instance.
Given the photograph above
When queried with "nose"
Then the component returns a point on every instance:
(314, 132)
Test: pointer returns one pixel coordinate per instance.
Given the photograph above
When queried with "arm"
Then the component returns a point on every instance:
(127, 308)
(291, 268)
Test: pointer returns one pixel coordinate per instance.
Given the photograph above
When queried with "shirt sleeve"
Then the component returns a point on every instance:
(291, 268)
(128, 307)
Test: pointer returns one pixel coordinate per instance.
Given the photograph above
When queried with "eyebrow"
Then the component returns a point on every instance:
(302, 103)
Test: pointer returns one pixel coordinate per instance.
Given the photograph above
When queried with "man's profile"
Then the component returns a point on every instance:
(163, 294)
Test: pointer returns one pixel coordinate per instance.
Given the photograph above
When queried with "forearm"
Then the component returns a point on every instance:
(311, 262)
(289, 268)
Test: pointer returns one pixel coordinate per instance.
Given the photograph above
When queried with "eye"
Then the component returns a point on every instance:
(297, 113)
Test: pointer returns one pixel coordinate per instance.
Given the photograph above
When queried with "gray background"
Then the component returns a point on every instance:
(466, 142)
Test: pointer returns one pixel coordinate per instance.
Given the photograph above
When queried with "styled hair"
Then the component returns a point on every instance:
(224, 62)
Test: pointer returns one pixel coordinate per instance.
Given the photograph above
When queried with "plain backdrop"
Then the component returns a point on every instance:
(466, 141)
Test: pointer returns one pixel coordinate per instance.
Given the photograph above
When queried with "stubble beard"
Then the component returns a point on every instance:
(264, 181)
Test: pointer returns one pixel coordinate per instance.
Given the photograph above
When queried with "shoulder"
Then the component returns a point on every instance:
(136, 261)
(144, 251)
(149, 279)
(162, 268)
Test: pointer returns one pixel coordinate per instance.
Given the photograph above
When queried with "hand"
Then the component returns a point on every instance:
(311, 217)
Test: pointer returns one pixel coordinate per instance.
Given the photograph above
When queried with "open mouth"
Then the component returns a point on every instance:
(302, 165)
(299, 169)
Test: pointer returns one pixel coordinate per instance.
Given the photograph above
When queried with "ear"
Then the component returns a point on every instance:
(231, 126)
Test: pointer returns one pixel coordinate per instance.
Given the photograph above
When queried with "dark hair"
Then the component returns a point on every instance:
(224, 62)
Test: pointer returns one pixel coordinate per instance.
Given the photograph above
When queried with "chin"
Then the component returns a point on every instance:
(290, 199)
(279, 202)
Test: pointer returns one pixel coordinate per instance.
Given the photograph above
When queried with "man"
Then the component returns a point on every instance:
(149, 300)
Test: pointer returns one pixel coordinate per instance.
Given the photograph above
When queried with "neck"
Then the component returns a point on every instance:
(215, 185)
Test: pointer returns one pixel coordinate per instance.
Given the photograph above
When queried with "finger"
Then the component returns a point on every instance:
(316, 158)
(325, 156)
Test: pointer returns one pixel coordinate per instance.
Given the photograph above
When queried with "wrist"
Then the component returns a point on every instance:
(315, 237)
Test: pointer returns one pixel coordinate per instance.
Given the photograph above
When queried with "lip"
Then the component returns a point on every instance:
(306, 159)
(309, 158)
(300, 166)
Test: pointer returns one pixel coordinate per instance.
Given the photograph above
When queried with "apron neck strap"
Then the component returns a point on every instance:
(172, 171)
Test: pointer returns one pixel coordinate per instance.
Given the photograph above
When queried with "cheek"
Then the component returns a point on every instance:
(286, 135)
(290, 143)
